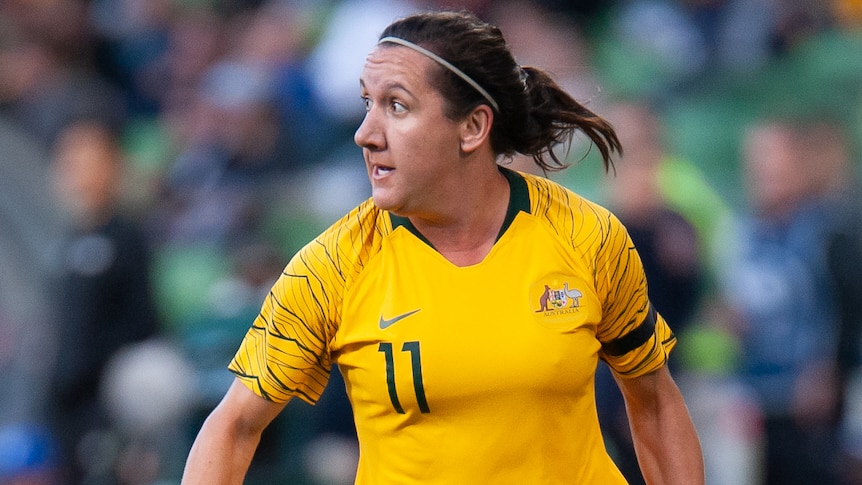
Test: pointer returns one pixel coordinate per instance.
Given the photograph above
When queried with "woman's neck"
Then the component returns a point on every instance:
(467, 234)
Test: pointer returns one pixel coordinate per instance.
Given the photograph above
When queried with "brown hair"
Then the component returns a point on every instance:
(535, 113)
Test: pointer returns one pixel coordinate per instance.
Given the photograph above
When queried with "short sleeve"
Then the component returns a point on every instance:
(635, 338)
(285, 353)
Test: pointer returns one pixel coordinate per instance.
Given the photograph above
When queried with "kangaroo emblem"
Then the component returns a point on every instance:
(543, 300)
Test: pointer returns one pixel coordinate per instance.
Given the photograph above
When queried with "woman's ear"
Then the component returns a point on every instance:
(476, 128)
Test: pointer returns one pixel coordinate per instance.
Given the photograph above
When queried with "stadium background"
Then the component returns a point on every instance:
(236, 121)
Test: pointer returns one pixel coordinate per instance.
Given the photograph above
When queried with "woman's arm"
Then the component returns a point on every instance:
(228, 439)
(665, 440)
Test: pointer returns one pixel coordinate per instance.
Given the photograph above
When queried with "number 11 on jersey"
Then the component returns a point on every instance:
(416, 364)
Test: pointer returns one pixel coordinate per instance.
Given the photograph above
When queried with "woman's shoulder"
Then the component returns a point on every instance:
(562, 206)
(350, 241)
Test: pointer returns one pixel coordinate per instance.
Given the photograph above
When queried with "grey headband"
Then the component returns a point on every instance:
(446, 64)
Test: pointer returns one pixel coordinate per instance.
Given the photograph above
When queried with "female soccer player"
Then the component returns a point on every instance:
(466, 304)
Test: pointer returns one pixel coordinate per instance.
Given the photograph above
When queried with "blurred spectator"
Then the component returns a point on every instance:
(106, 299)
(666, 242)
(778, 281)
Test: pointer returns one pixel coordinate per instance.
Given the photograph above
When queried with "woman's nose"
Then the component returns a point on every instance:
(369, 134)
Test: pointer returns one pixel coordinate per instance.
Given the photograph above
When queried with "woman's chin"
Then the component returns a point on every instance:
(384, 199)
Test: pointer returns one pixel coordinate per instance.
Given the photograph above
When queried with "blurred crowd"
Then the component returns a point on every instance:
(161, 160)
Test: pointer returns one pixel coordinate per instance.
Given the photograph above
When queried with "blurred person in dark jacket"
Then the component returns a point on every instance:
(106, 298)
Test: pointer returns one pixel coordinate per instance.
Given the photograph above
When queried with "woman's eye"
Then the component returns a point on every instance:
(367, 102)
(398, 107)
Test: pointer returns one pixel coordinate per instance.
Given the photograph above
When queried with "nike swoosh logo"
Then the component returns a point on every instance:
(386, 323)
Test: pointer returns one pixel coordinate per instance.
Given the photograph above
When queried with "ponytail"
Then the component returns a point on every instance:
(551, 119)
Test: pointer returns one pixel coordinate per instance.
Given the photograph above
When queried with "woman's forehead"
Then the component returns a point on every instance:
(388, 63)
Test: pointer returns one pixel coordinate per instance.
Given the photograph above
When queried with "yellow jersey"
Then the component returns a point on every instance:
(461, 375)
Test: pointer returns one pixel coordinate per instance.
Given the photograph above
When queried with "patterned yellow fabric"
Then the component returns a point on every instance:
(478, 374)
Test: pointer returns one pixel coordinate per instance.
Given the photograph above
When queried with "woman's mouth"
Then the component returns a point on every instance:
(381, 171)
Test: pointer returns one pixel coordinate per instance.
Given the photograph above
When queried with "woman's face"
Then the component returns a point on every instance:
(411, 148)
